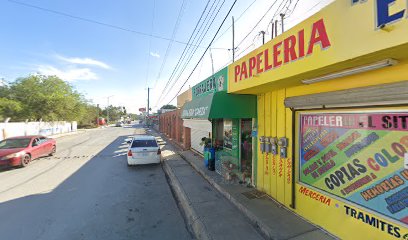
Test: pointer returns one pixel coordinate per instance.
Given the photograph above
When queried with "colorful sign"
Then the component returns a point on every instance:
(325, 43)
(385, 13)
(227, 134)
(216, 83)
(231, 134)
(358, 157)
(290, 49)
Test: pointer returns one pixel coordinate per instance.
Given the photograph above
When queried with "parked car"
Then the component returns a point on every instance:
(20, 151)
(143, 149)
(119, 124)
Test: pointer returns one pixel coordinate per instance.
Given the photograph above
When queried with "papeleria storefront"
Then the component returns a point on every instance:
(332, 119)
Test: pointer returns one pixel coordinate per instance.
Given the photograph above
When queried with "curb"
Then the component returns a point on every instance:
(194, 222)
(263, 228)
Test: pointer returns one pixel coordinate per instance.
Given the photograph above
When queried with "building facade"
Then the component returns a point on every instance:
(332, 110)
(172, 125)
(226, 121)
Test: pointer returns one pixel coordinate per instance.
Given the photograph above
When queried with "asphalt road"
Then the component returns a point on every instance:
(87, 191)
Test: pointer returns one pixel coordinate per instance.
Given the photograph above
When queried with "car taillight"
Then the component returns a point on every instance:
(130, 153)
(158, 151)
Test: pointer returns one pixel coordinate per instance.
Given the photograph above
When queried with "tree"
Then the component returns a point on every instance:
(45, 97)
(115, 113)
(168, 106)
(49, 98)
(9, 108)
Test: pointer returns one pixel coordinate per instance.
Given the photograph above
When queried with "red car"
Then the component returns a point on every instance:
(20, 151)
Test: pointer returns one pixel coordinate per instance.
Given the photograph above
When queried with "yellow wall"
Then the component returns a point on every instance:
(354, 42)
(184, 97)
(275, 120)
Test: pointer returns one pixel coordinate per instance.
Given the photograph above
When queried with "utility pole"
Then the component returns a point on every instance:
(233, 40)
(263, 37)
(148, 101)
(212, 61)
(272, 30)
(107, 110)
(282, 17)
(276, 28)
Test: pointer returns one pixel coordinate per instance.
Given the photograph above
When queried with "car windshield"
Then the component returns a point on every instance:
(14, 143)
(144, 143)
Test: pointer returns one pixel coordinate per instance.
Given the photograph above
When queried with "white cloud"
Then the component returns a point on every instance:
(69, 75)
(156, 55)
(85, 61)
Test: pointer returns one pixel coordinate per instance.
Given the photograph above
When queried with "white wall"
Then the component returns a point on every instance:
(14, 129)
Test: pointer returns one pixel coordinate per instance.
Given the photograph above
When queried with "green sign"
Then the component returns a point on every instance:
(215, 83)
(235, 136)
(231, 135)
(228, 134)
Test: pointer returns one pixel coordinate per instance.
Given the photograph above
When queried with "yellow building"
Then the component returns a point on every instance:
(332, 121)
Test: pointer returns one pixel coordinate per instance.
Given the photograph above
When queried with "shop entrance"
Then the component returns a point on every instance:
(246, 149)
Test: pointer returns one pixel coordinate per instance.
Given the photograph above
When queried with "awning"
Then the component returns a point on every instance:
(221, 105)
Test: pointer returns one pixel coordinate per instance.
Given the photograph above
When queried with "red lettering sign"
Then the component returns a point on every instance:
(290, 49)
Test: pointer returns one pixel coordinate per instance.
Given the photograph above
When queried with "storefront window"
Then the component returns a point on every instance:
(246, 146)
(358, 157)
(218, 133)
(228, 134)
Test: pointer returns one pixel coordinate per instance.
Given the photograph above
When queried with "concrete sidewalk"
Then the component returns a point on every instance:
(216, 208)
(208, 214)
(273, 220)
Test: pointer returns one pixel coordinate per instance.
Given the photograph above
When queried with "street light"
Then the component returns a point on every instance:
(107, 110)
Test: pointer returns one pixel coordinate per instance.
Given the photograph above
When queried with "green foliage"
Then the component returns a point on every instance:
(115, 113)
(134, 116)
(168, 106)
(43, 97)
(49, 98)
(9, 107)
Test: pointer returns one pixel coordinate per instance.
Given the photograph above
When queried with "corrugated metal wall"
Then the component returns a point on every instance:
(196, 136)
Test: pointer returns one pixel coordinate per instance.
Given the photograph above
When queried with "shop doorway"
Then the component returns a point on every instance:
(246, 148)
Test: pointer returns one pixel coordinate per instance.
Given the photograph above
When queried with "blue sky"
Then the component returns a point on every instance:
(102, 61)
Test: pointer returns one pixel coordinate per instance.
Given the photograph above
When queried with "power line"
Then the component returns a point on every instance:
(189, 51)
(176, 26)
(178, 62)
(226, 30)
(209, 45)
(275, 14)
(277, 11)
(257, 23)
(192, 54)
(293, 10)
(310, 9)
(97, 22)
(250, 45)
